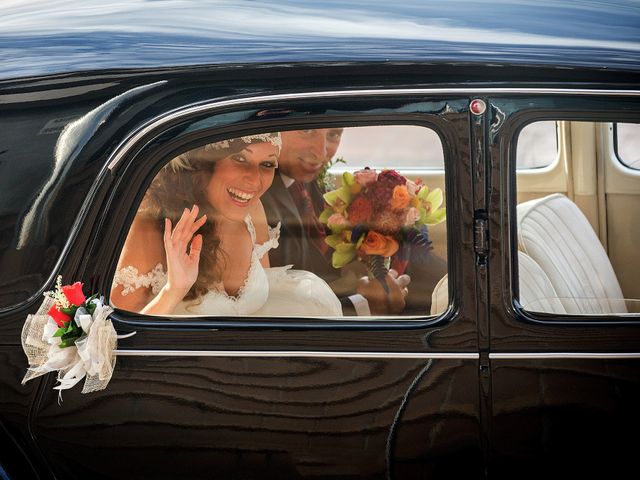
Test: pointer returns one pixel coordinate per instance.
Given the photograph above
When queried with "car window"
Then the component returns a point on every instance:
(415, 147)
(323, 222)
(537, 146)
(576, 244)
(627, 144)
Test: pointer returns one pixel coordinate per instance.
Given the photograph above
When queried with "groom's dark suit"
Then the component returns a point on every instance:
(297, 249)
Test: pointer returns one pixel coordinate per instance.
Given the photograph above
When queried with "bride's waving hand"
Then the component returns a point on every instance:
(182, 258)
(143, 285)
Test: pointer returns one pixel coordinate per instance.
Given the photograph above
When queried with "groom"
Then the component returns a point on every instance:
(295, 200)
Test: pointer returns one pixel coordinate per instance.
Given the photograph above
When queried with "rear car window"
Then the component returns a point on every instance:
(577, 242)
(627, 144)
(537, 146)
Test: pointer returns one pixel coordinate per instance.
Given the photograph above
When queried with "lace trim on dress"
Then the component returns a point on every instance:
(235, 298)
(131, 279)
(261, 248)
(248, 221)
(258, 250)
(274, 236)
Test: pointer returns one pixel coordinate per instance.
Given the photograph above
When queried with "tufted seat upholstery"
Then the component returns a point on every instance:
(558, 237)
(536, 291)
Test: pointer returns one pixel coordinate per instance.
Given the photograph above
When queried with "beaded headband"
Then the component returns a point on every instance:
(182, 162)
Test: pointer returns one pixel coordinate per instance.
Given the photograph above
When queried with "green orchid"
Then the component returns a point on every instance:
(430, 211)
(340, 198)
(344, 254)
(344, 250)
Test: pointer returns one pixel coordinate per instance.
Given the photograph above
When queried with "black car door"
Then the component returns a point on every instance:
(216, 397)
(565, 378)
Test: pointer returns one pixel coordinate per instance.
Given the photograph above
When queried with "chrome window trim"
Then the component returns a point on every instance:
(393, 355)
(122, 149)
(562, 355)
(294, 353)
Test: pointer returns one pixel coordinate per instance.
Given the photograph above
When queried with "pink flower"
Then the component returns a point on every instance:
(413, 215)
(336, 220)
(366, 176)
(412, 187)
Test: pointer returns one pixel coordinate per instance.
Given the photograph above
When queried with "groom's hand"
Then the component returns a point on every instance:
(381, 302)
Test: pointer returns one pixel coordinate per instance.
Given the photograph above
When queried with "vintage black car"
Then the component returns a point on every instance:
(526, 360)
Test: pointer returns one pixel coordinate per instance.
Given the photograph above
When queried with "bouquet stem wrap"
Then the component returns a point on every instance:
(92, 357)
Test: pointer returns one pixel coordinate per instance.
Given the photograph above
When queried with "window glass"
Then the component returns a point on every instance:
(575, 255)
(415, 147)
(260, 225)
(627, 141)
(537, 145)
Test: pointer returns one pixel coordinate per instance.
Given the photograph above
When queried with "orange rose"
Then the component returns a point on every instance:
(377, 244)
(400, 197)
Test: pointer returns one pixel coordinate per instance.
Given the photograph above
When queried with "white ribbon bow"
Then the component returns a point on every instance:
(92, 357)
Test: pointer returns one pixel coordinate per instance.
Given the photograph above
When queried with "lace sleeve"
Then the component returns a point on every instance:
(274, 236)
(131, 279)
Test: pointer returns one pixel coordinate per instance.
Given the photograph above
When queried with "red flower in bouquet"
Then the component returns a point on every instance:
(360, 211)
(392, 177)
(74, 293)
(68, 299)
(59, 317)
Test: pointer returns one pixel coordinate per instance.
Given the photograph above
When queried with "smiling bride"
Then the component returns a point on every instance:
(200, 240)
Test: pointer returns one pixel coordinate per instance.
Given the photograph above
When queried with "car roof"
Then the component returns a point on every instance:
(41, 38)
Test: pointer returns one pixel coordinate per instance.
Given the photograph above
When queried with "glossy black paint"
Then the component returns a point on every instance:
(562, 417)
(266, 418)
(304, 417)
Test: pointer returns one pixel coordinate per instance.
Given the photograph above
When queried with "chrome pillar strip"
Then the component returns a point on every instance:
(293, 353)
(562, 355)
(126, 145)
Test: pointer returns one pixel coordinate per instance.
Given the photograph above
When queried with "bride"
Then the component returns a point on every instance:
(176, 261)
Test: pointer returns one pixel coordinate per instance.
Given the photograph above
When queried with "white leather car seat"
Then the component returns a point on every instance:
(440, 296)
(536, 292)
(558, 237)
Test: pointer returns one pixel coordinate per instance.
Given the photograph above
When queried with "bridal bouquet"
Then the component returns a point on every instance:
(71, 334)
(372, 216)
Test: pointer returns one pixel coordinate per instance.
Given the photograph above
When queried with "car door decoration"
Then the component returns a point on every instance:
(373, 217)
(71, 334)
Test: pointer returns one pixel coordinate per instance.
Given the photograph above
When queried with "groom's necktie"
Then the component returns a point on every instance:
(312, 226)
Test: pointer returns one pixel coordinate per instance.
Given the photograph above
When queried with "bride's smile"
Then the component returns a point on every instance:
(240, 196)
(240, 179)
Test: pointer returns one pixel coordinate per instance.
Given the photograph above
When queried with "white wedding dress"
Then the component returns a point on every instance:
(267, 292)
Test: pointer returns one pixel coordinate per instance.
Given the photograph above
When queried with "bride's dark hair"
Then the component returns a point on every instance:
(174, 189)
(181, 184)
